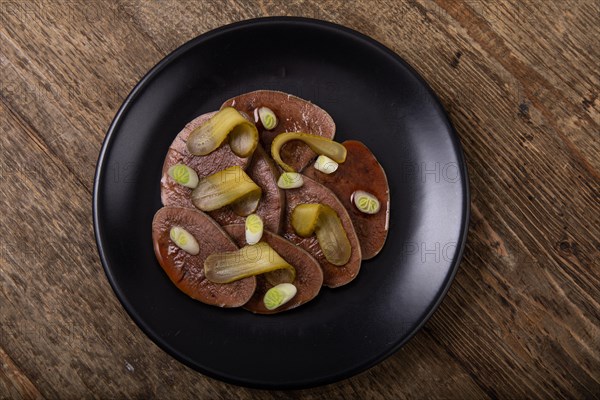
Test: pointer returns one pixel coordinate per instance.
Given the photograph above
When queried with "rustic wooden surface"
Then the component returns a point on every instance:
(520, 79)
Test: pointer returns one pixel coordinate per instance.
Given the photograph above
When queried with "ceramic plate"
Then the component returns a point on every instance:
(373, 96)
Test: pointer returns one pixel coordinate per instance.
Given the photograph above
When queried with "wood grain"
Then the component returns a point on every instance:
(520, 80)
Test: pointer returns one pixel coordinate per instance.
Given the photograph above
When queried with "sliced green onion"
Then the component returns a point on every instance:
(326, 224)
(267, 118)
(279, 295)
(184, 175)
(184, 240)
(254, 229)
(325, 164)
(247, 261)
(290, 180)
(366, 202)
(318, 144)
(229, 186)
(243, 135)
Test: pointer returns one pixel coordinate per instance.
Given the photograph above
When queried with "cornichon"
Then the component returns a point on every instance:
(229, 186)
(323, 221)
(248, 261)
(243, 135)
(318, 144)
(280, 276)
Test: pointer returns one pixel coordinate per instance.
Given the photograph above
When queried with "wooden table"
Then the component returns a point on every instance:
(520, 80)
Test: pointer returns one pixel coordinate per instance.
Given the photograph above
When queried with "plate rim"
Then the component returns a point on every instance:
(173, 55)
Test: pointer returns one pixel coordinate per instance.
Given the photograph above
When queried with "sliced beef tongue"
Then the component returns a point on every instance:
(309, 277)
(294, 115)
(313, 192)
(186, 271)
(264, 173)
(360, 171)
(173, 194)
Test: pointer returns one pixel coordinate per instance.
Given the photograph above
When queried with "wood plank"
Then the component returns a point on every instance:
(69, 85)
(13, 382)
(526, 303)
(52, 291)
(520, 80)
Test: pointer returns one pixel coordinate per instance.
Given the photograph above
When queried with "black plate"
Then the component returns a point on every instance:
(373, 96)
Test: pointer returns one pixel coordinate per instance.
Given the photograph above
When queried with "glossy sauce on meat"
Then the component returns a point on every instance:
(313, 192)
(174, 194)
(360, 171)
(294, 115)
(186, 271)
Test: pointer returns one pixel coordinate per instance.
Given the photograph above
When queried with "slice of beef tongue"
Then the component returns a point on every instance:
(264, 173)
(360, 171)
(186, 271)
(313, 192)
(309, 277)
(294, 115)
(173, 194)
